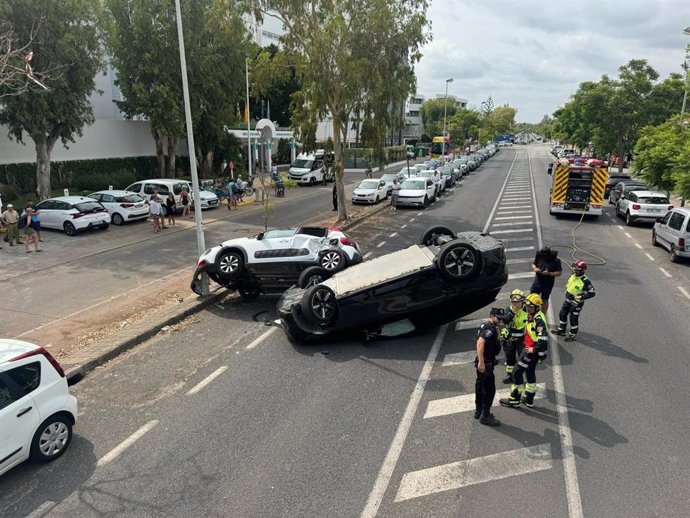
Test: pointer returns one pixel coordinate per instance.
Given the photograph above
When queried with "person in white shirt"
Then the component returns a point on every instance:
(155, 211)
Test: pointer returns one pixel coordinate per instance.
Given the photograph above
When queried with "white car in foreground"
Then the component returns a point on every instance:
(72, 214)
(122, 205)
(643, 206)
(370, 191)
(416, 192)
(37, 412)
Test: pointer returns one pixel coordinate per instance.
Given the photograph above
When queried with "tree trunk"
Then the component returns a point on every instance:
(44, 148)
(160, 155)
(621, 157)
(172, 153)
(339, 167)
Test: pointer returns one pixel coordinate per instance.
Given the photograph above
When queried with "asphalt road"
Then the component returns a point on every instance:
(230, 419)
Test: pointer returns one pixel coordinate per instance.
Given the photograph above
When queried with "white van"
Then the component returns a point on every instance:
(673, 233)
(306, 169)
(146, 188)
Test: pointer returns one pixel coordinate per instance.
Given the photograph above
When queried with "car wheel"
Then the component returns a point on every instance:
(104, 226)
(230, 264)
(628, 220)
(319, 305)
(249, 292)
(376, 200)
(426, 201)
(654, 241)
(312, 276)
(312, 180)
(332, 261)
(675, 258)
(69, 229)
(117, 219)
(458, 261)
(51, 439)
(431, 236)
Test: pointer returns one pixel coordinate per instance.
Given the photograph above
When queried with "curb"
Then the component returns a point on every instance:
(356, 221)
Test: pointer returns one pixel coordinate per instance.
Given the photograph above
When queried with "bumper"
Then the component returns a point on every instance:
(364, 200)
(90, 224)
(303, 179)
(410, 202)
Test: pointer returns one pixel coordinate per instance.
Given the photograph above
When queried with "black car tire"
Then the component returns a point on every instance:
(654, 241)
(230, 264)
(55, 429)
(103, 226)
(675, 258)
(117, 219)
(69, 228)
(429, 237)
(249, 292)
(332, 261)
(312, 276)
(628, 220)
(319, 305)
(426, 201)
(458, 261)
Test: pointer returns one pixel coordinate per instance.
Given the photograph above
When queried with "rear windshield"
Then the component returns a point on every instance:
(653, 200)
(88, 206)
(129, 198)
(413, 184)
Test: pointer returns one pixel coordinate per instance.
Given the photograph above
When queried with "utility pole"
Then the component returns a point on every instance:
(445, 104)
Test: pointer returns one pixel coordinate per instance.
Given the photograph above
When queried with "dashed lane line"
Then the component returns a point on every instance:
(465, 402)
(403, 226)
(208, 379)
(42, 510)
(419, 213)
(380, 244)
(115, 452)
(260, 339)
(367, 255)
(665, 272)
(650, 257)
(412, 219)
(393, 234)
(619, 227)
(628, 235)
(684, 292)
(638, 245)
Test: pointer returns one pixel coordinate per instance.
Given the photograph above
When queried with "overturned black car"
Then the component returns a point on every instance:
(445, 277)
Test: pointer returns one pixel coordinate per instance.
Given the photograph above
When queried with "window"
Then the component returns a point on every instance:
(676, 221)
(27, 377)
(135, 187)
(61, 205)
(5, 395)
(653, 200)
(107, 198)
(664, 221)
(46, 205)
(280, 233)
(97, 197)
(88, 206)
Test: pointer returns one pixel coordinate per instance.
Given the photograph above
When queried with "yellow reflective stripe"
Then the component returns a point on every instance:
(560, 184)
(598, 186)
(531, 387)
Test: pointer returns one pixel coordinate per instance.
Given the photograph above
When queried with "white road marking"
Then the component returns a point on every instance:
(519, 249)
(260, 339)
(419, 213)
(503, 212)
(649, 256)
(368, 255)
(514, 231)
(403, 226)
(518, 238)
(465, 402)
(507, 207)
(619, 227)
(512, 217)
(518, 261)
(42, 509)
(386, 471)
(498, 199)
(684, 292)
(412, 219)
(459, 358)
(470, 472)
(665, 272)
(469, 324)
(380, 244)
(393, 234)
(628, 235)
(115, 452)
(208, 379)
(638, 245)
(514, 223)
(525, 275)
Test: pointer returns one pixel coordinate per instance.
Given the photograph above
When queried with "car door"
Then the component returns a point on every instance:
(273, 247)
(662, 228)
(383, 189)
(48, 214)
(624, 203)
(675, 226)
(19, 418)
(430, 189)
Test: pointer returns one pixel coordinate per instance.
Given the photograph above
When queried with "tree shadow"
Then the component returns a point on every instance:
(604, 346)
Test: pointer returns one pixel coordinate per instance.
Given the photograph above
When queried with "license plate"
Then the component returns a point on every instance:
(653, 210)
(212, 202)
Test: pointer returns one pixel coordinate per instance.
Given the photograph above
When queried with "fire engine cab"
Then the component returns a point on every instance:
(577, 189)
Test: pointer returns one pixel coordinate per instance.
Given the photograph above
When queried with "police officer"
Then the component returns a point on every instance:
(578, 289)
(535, 347)
(485, 385)
(514, 331)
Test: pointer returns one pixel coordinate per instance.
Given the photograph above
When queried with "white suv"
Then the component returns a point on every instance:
(37, 412)
(643, 206)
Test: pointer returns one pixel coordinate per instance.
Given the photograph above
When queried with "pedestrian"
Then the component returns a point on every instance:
(578, 289)
(395, 193)
(155, 211)
(487, 350)
(323, 174)
(368, 173)
(170, 207)
(184, 197)
(535, 347)
(10, 218)
(335, 196)
(30, 234)
(239, 184)
(36, 220)
(546, 267)
(232, 194)
(231, 165)
(514, 332)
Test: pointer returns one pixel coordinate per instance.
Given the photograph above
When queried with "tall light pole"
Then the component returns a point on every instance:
(246, 114)
(686, 31)
(445, 108)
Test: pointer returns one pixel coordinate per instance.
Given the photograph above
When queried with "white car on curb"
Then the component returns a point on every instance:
(72, 214)
(416, 192)
(37, 412)
(122, 205)
(370, 191)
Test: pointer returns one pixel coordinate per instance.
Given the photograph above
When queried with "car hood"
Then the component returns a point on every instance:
(364, 192)
(205, 195)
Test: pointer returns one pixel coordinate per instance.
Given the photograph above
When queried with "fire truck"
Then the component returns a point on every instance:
(577, 189)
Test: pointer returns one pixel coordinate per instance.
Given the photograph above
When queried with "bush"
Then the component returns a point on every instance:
(8, 193)
(98, 182)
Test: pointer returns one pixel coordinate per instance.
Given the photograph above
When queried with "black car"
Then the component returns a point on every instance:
(445, 277)
(613, 179)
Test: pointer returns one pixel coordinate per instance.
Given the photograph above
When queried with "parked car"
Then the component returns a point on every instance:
(122, 205)
(448, 175)
(435, 177)
(673, 233)
(370, 191)
(405, 172)
(643, 206)
(622, 188)
(416, 191)
(146, 189)
(443, 278)
(613, 179)
(389, 177)
(37, 412)
(72, 214)
(271, 261)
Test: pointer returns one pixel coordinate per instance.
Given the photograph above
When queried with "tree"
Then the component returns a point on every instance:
(274, 80)
(655, 152)
(343, 47)
(66, 39)
(497, 121)
(463, 124)
(13, 73)
(432, 114)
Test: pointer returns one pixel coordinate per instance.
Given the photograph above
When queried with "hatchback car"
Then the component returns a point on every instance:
(613, 179)
(72, 214)
(370, 191)
(622, 188)
(37, 412)
(416, 192)
(122, 205)
(673, 233)
(643, 206)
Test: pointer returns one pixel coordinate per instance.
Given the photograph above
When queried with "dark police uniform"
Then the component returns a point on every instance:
(485, 385)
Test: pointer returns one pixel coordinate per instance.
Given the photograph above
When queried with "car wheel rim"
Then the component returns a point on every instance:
(322, 304)
(314, 280)
(330, 261)
(53, 439)
(229, 263)
(459, 262)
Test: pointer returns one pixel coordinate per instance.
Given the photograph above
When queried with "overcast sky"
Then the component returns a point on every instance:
(533, 54)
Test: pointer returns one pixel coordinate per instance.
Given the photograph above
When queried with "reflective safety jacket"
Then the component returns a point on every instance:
(515, 323)
(579, 285)
(537, 334)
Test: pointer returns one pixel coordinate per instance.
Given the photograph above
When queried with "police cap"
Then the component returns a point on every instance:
(498, 313)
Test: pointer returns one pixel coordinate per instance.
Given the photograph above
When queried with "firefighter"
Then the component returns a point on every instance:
(534, 351)
(514, 331)
(578, 289)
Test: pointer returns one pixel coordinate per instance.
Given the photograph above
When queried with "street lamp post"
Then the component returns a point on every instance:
(445, 105)
(686, 31)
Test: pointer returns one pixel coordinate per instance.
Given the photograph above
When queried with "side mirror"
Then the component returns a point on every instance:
(260, 236)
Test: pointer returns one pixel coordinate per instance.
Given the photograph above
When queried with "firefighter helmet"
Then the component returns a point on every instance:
(579, 265)
(516, 294)
(534, 299)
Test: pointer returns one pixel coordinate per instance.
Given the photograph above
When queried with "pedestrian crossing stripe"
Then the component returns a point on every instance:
(525, 275)
(469, 324)
(458, 358)
(457, 475)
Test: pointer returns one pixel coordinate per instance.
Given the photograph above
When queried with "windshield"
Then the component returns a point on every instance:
(369, 184)
(303, 163)
(425, 174)
(281, 232)
(414, 185)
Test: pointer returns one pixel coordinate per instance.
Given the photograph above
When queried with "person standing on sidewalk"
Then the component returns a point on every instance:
(395, 194)
(30, 234)
(155, 211)
(184, 196)
(170, 207)
(487, 350)
(335, 196)
(10, 217)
